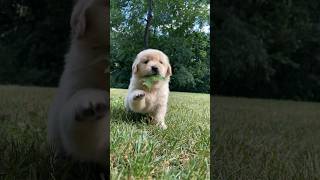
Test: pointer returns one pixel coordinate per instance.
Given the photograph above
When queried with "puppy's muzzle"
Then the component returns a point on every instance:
(154, 70)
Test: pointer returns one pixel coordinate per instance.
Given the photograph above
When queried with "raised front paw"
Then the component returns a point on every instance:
(139, 95)
(93, 111)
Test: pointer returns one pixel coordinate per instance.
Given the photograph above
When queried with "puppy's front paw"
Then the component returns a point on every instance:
(139, 95)
(94, 111)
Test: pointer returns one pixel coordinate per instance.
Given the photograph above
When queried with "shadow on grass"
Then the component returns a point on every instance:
(69, 169)
(121, 115)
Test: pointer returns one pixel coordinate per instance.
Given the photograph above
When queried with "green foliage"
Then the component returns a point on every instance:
(172, 31)
(34, 37)
(33, 40)
(150, 80)
(267, 49)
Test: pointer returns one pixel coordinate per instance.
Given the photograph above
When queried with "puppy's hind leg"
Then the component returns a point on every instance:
(136, 100)
(159, 117)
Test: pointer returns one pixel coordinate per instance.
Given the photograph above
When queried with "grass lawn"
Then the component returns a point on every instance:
(137, 149)
(255, 139)
(144, 151)
(24, 153)
(266, 139)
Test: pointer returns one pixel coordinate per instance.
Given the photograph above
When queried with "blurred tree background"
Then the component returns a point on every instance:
(268, 49)
(34, 36)
(178, 28)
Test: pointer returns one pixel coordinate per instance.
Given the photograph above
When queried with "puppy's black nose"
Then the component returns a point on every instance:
(154, 69)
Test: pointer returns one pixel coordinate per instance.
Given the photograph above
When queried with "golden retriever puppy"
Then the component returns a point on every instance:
(77, 122)
(151, 101)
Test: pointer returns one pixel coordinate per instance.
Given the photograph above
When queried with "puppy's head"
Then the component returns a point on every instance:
(89, 20)
(151, 62)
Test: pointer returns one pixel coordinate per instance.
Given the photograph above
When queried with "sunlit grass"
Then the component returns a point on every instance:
(182, 151)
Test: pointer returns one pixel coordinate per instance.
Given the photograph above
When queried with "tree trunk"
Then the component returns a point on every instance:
(149, 19)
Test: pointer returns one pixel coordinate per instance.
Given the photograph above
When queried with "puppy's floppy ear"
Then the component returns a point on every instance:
(135, 67)
(169, 70)
(78, 20)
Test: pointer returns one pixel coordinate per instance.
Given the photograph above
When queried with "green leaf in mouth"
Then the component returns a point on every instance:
(148, 81)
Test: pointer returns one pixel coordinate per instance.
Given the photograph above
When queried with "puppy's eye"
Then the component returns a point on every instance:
(146, 62)
(161, 62)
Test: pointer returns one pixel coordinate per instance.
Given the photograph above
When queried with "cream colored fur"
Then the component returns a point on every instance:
(139, 98)
(83, 88)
